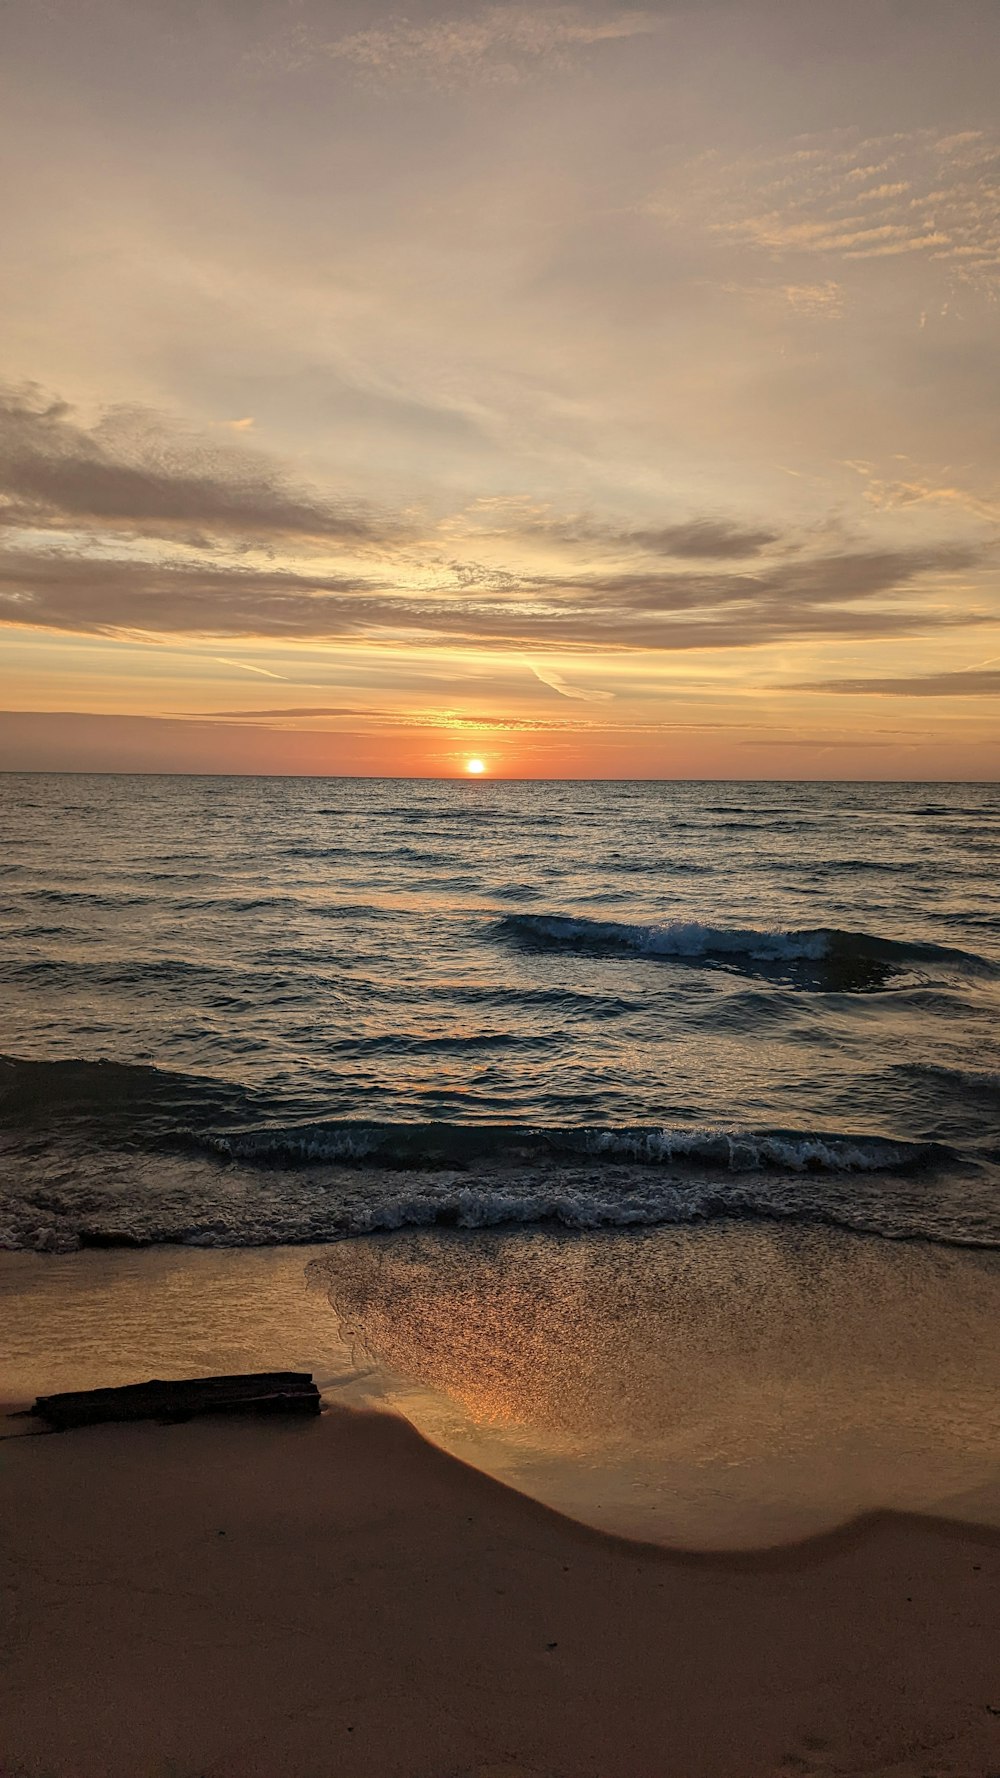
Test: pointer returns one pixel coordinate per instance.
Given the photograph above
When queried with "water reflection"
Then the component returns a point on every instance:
(715, 1387)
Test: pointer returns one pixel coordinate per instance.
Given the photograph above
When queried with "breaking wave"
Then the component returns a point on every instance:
(451, 1146)
(111, 1154)
(208, 1206)
(820, 957)
(101, 1153)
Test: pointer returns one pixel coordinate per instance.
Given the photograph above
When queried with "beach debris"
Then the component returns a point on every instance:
(261, 1392)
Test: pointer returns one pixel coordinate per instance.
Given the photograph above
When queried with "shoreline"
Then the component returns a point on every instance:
(249, 1600)
(430, 1581)
(717, 1387)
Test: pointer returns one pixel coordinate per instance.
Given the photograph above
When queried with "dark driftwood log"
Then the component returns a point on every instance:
(266, 1392)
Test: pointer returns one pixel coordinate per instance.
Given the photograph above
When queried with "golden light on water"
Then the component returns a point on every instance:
(475, 767)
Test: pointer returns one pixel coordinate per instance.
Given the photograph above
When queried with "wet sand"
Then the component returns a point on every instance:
(224, 1600)
(729, 1386)
(717, 1387)
(262, 1600)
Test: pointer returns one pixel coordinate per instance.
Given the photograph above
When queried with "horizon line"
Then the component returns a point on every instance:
(446, 778)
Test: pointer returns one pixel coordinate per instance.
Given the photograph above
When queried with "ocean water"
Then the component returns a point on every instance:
(253, 1011)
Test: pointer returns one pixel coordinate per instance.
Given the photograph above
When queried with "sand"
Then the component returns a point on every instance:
(235, 1600)
(263, 1600)
(730, 1386)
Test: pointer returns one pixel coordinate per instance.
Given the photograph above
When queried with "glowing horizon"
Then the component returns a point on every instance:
(386, 395)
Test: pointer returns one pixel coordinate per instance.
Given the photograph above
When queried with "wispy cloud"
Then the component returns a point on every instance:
(824, 301)
(248, 667)
(702, 539)
(842, 197)
(555, 681)
(847, 577)
(416, 719)
(964, 683)
(912, 487)
(492, 45)
(136, 472)
(707, 538)
(268, 715)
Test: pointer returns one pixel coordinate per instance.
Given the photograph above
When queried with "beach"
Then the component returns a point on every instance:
(621, 1162)
(228, 1599)
(223, 1600)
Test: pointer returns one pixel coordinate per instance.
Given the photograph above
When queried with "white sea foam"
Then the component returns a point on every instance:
(744, 1151)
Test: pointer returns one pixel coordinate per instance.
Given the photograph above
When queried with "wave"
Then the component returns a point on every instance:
(979, 1081)
(129, 972)
(660, 867)
(75, 901)
(516, 891)
(86, 898)
(106, 1153)
(443, 1145)
(952, 809)
(205, 1208)
(86, 1094)
(820, 957)
(864, 866)
(103, 1104)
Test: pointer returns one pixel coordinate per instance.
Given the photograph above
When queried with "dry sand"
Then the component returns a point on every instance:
(252, 1600)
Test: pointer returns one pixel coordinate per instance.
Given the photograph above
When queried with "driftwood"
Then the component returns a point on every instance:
(266, 1392)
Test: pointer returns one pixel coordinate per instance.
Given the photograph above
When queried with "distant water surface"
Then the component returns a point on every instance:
(245, 1011)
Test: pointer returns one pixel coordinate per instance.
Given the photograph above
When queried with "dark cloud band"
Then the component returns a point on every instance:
(836, 597)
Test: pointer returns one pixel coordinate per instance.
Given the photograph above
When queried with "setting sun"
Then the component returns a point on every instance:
(475, 766)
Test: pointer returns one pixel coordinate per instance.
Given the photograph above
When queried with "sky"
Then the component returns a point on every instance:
(589, 390)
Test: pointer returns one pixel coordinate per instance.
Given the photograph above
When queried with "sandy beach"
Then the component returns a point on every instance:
(353, 1595)
(223, 1600)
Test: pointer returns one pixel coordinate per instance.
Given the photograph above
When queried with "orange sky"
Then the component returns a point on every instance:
(592, 390)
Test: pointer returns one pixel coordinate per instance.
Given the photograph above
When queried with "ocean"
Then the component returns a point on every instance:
(252, 1011)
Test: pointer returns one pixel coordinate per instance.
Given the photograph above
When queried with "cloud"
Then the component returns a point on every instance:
(970, 683)
(843, 197)
(493, 45)
(106, 494)
(274, 715)
(859, 595)
(831, 580)
(248, 667)
(919, 489)
(694, 539)
(420, 719)
(548, 676)
(816, 301)
(135, 472)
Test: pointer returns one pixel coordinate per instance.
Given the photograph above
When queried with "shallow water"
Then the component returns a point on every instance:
(719, 1387)
(725, 1387)
(241, 1011)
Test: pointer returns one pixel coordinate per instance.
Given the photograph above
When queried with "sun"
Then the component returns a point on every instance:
(475, 767)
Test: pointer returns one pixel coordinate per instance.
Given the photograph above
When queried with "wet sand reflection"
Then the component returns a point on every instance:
(720, 1387)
